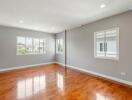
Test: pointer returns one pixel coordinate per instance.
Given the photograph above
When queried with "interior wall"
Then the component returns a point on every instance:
(8, 40)
(80, 47)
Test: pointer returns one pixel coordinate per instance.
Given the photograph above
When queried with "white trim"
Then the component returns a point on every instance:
(102, 75)
(60, 63)
(33, 52)
(25, 66)
(73, 67)
(117, 45)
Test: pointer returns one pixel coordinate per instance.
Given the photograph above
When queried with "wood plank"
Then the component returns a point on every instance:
(53, 82)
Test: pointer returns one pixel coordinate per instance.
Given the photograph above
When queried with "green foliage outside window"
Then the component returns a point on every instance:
(21, 51)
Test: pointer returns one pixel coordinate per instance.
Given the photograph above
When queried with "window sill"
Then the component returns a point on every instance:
(107, 58)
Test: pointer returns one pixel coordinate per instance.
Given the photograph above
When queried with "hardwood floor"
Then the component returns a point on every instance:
(53, 82)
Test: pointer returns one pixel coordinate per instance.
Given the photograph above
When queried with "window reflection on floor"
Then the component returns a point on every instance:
(101, 97)
(30, 86)
(60, 81)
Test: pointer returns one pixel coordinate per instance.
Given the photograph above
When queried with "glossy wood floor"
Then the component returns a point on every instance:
(53, 82)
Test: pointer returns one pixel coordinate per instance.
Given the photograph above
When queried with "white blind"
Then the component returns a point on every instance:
(106, 43)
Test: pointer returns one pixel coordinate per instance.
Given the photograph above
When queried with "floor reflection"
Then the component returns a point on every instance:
(60, 81)
(101, 97)
(30, 86)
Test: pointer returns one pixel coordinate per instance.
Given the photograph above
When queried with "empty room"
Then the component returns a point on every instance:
(65, 50)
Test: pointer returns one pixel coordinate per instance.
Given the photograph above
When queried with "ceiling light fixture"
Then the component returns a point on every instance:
(21, 21)
(102, 5)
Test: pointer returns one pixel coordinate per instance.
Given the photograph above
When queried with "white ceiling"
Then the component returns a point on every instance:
(54, 16)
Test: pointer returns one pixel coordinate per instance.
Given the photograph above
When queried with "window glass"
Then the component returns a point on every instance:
(36, 46)
(100, 44)
(21, 50)
(111, 43)
(42, 46)
(59, 46)
(28, 45)
(106, 44)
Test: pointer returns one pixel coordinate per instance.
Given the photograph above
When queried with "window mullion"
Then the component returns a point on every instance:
(32, 46)
(25, 44)
(105, 43)
(43, 46)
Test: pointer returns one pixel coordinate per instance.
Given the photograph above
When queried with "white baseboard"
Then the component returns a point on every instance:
(73, 67)
(60, 63)
(102, 75)
(26, 66)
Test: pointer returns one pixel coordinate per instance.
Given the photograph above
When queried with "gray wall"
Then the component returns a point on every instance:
(8, 57)
(61, 57)
(80, 47)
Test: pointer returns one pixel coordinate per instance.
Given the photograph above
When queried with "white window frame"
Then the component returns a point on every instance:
(117, 45)
(57, 46)
(33, 52)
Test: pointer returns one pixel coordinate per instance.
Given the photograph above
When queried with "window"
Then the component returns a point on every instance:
(28, 45)
(59, 46)
(21, 47)
(107, 44)
(42, 46)
(36, 46)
